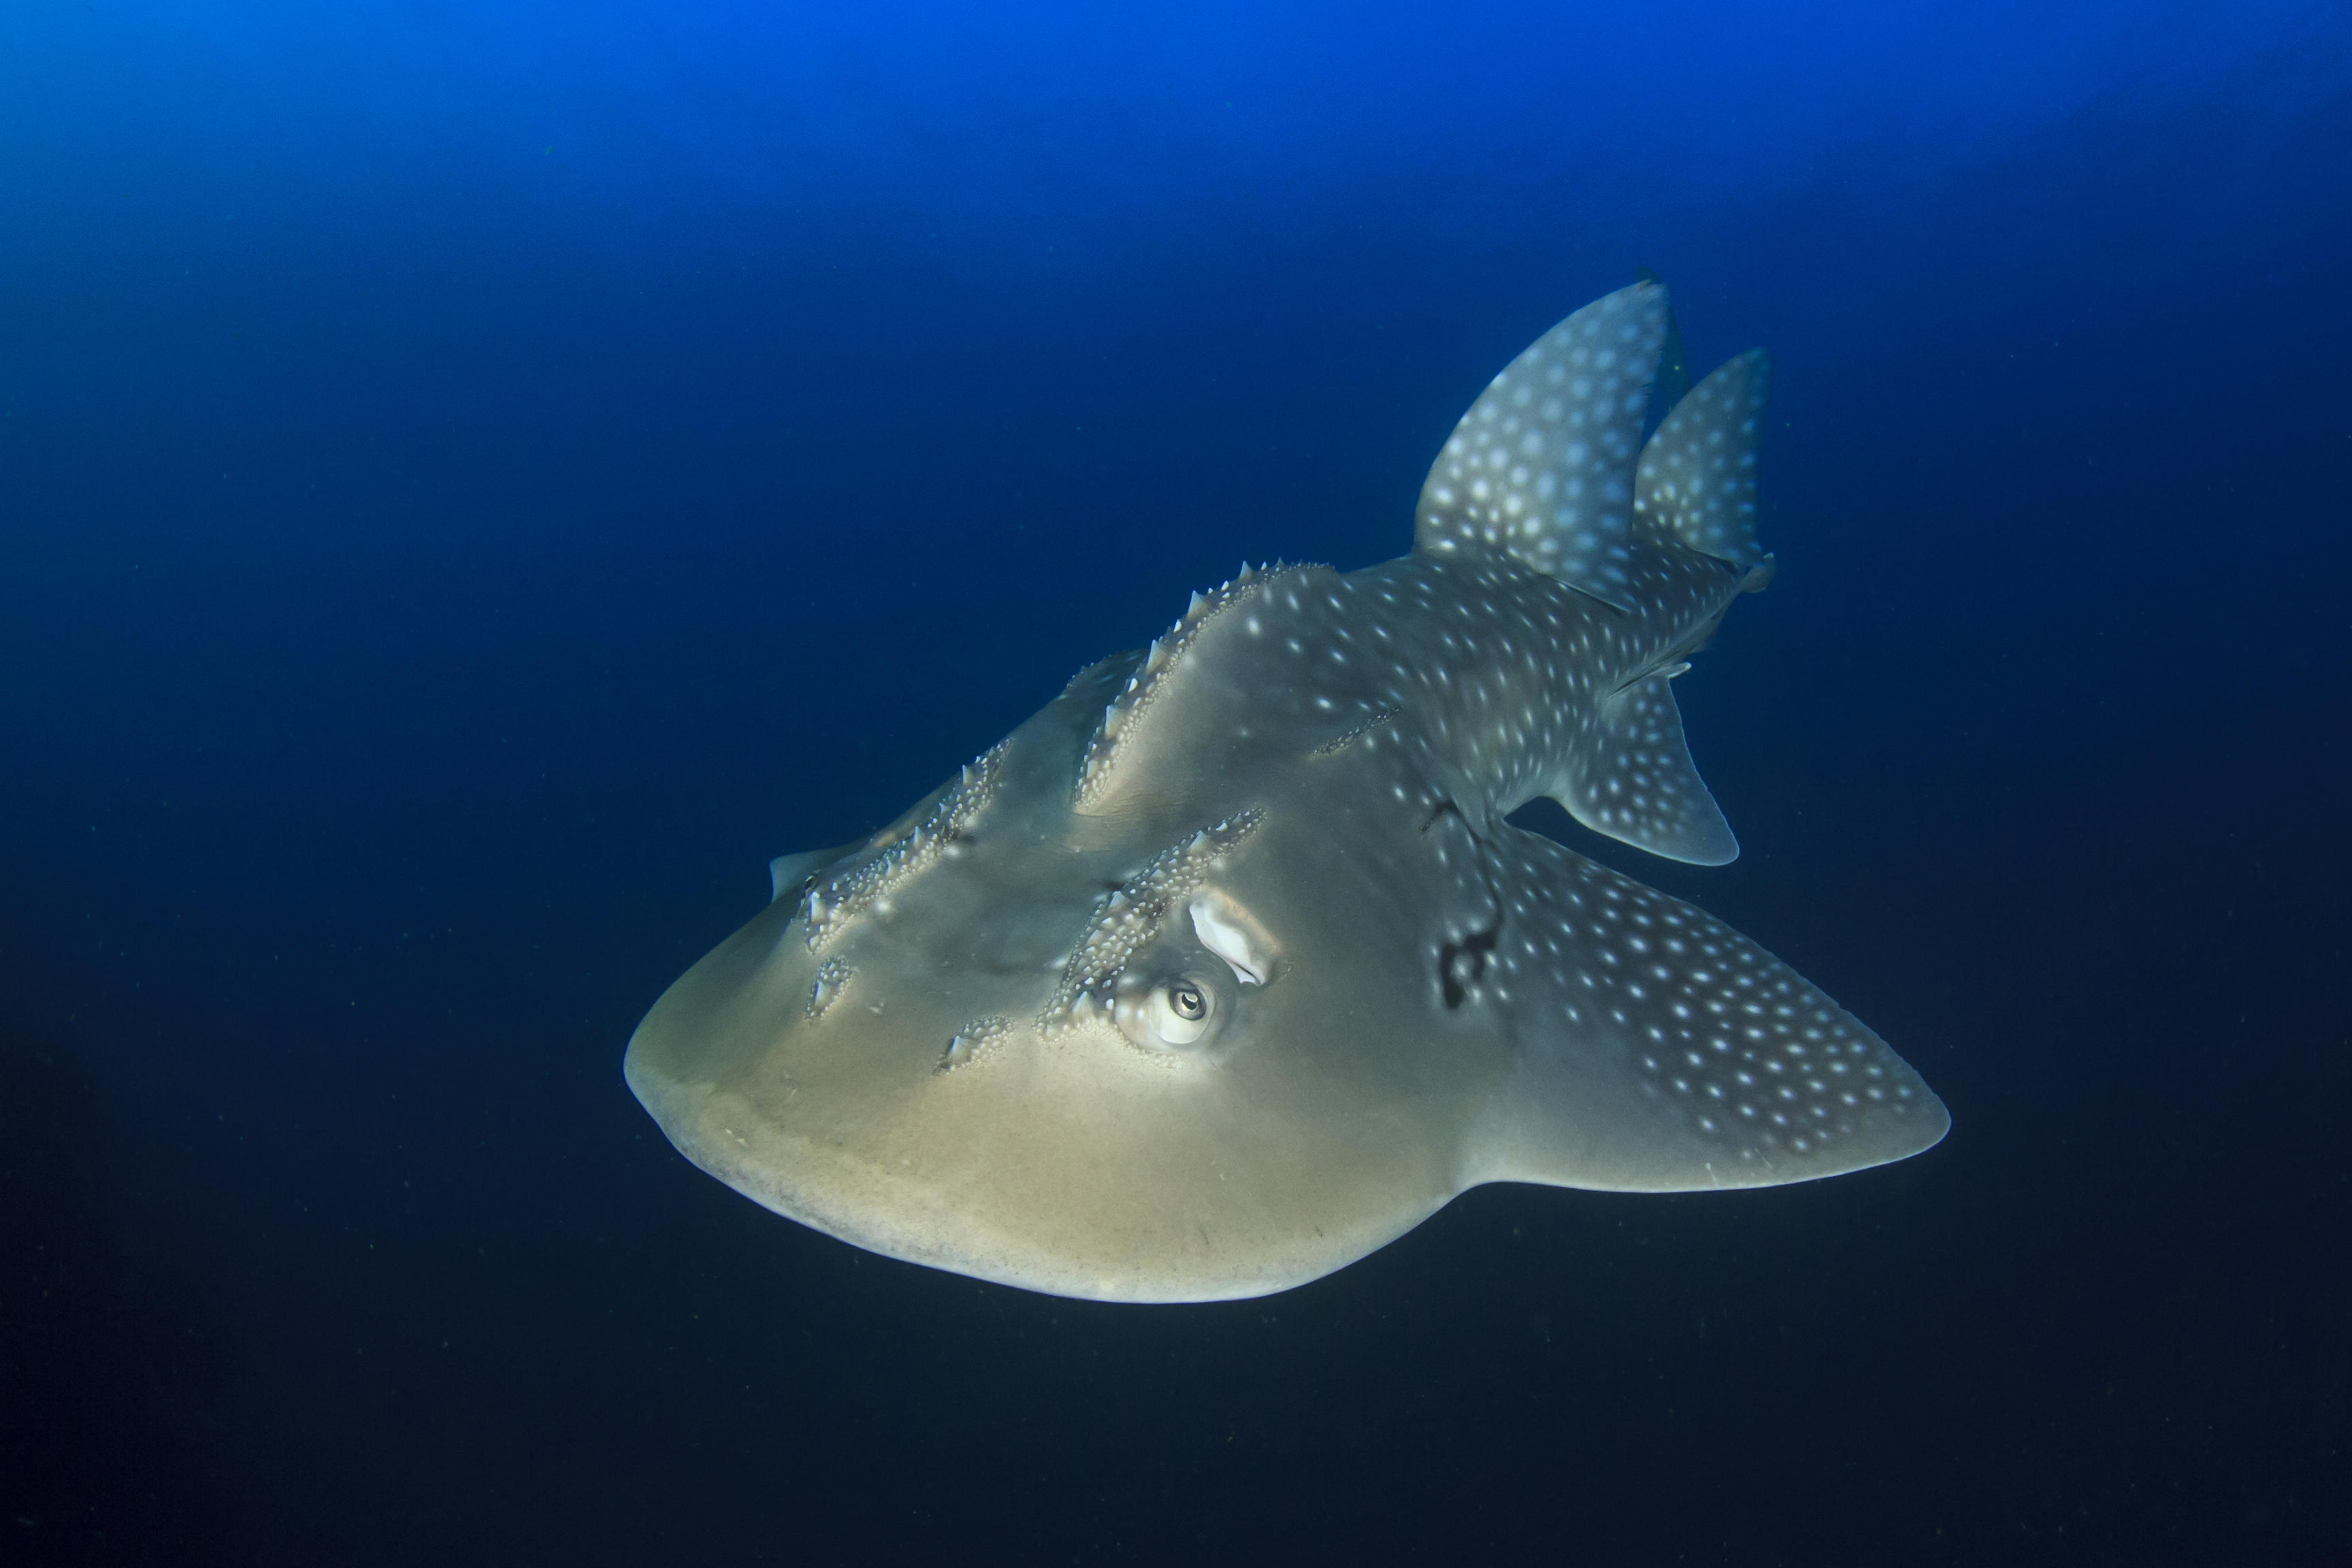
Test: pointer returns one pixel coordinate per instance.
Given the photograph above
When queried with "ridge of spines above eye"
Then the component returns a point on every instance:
(827, 909)
(1128, 916)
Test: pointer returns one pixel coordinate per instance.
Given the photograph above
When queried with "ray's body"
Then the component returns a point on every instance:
(1225, 968)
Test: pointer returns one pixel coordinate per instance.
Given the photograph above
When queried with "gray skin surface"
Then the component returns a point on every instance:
(964, 1042)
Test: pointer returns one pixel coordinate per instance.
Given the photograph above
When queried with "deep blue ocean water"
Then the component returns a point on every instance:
(476, 480)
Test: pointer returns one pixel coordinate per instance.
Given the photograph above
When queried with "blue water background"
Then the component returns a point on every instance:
(477, 479)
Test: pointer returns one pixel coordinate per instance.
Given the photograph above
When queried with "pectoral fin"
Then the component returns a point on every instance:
(1658, 1050)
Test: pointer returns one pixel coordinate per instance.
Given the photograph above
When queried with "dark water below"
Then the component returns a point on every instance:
(475, 482)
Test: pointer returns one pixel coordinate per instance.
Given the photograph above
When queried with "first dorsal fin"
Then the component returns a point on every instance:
(1542, 466)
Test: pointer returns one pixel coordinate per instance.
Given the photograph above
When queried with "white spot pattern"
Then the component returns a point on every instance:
(1634, 779)
(1492, 680)
(1541, 468)
(1697, 478)
(1466, 683)
(1720, 1036)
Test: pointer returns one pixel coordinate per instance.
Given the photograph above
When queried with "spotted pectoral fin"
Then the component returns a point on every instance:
(1656, 1049)
(1631, 777)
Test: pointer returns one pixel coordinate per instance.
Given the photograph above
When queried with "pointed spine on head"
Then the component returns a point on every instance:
(1696, 484)
(1541, 468)
(1127, 709)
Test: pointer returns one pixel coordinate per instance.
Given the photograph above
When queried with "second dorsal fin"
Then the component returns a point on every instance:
(1697, 478)
(1541, 468)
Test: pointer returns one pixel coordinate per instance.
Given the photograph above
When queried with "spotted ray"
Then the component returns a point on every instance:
(1225, 968)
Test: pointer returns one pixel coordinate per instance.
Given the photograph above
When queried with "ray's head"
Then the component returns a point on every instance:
(1072, 1023)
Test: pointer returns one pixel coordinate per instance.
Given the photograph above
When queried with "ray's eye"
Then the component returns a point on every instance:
(1179, 1013)
(1168, 1011)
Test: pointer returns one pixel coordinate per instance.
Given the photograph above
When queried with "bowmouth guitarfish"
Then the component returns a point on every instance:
(1225, 968)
